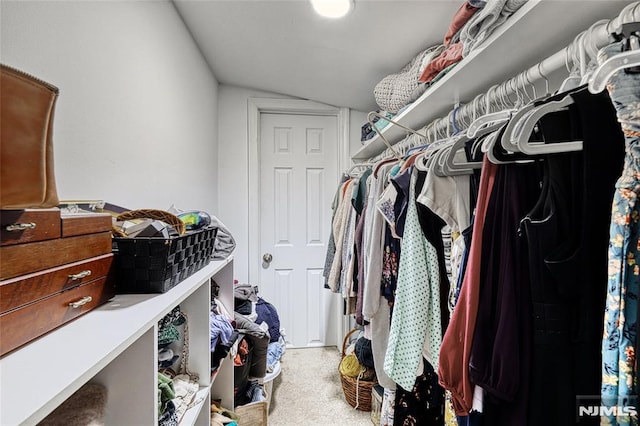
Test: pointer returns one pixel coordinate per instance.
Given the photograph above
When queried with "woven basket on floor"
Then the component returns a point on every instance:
(356, 391)
(252, 414)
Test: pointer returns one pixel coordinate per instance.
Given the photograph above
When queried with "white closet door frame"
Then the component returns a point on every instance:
(257, 106)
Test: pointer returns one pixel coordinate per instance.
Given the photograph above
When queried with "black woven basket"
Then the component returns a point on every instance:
(155, 265)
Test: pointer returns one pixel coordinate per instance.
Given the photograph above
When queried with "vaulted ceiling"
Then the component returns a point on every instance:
(284, 47)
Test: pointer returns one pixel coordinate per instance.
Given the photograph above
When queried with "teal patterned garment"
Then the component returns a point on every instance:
(619, 373)
(415, 324)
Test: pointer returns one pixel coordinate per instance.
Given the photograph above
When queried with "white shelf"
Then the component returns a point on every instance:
(115, 344)
(536, 31)
(193, 414)
(222, 388)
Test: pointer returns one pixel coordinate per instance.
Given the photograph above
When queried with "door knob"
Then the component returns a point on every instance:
(267, 258)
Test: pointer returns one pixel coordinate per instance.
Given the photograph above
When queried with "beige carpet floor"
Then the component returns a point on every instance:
(308, 391)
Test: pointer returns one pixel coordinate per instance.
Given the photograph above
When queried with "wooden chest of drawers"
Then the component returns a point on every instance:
(53, 268)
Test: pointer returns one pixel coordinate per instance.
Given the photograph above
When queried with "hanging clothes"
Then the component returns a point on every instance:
(453, 371)
(359, 278)
(619, 370)
(449, 198)
(434, 230)
(359, 203)
(500, 355)
(373, 248)
(423, 404)
(348, 249)
(376, 307)
(339, 226)
(331, 244)
(486, 289)
(415, 323)
(568, 266)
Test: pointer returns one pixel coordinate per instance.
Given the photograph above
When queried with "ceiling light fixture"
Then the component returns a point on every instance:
(332, 8)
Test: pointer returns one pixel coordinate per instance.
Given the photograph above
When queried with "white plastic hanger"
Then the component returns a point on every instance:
(438, 161)
(488, 146)
(488, 123)
(356, 166)
(448, 166)
(488, 120)
(491, 131)
(577, 53)
(492, 121)
(526, 128)
(434, 164)
(628, 59)
(437, 142)
(491, 147)
(521, 110)
(440, 145)
(508, 140)
(443, 164)
(456, 152)
(603, 73)
(590, 52)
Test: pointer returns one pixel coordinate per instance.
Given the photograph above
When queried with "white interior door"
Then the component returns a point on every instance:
(298, 176)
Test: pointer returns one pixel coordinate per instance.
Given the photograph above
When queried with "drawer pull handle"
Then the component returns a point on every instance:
(81, 302)
(20, 226)
(80, 275)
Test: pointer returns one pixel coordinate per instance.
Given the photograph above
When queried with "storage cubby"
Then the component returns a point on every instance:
(116, 346)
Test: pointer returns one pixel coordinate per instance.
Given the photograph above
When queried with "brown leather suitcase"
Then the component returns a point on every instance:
(53, 268)
(27, 178)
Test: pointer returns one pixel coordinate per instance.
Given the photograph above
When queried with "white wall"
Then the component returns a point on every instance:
(136, 119)
(233, 200)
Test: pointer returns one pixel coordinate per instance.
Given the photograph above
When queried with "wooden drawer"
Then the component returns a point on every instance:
(21, 259)
(22, 325)
(25, 289)
(87, 223)
(27, 226)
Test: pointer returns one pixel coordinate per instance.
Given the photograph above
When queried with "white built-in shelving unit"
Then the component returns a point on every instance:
(536, 31)
(116, 345)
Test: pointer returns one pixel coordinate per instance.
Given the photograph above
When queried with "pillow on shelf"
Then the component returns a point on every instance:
(395, 91)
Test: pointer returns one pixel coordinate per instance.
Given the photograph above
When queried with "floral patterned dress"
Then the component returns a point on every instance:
(619, 373)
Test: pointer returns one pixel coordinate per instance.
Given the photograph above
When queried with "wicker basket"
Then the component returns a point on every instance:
(356, 391)
(155, 265)
(252, 414)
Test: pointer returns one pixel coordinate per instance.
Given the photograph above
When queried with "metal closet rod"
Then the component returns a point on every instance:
(586, 43)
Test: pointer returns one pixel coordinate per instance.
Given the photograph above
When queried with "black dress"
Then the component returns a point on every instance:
(567, 235)
(501, 348)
